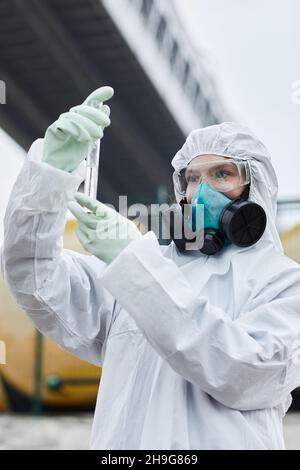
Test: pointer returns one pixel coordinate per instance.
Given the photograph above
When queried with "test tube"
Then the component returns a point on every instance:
(92, 164)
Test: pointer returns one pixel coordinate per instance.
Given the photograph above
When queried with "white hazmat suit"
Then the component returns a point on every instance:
(198, 352)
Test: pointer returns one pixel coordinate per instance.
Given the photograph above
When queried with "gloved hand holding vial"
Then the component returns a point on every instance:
(76, 136)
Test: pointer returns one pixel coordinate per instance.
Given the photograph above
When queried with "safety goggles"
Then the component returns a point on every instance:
(223, 176)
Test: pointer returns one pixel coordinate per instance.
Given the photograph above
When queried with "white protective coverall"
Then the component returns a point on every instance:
(198, 352)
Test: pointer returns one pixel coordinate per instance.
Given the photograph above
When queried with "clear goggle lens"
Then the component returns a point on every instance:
(223, 176)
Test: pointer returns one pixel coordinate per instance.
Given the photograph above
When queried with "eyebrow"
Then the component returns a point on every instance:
(221, 165)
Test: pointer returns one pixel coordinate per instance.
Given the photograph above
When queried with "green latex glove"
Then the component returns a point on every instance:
(69, 139)
(103, 232)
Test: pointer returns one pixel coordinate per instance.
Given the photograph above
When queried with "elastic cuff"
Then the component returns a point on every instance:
(140, 247)
(47, 188)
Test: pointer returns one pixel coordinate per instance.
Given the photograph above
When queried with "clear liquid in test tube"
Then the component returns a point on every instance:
(92, 164)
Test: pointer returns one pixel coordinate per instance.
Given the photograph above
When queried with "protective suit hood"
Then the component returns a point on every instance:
(230, 139)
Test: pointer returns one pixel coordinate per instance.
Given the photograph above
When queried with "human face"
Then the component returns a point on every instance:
(193, 183)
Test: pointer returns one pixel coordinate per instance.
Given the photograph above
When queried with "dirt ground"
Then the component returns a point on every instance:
(72, 432)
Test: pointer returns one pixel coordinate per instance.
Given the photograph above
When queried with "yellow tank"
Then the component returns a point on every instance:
(3, 401)
(291, 243)
(19, 372)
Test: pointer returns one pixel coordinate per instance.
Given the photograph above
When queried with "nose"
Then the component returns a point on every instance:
(191, 188)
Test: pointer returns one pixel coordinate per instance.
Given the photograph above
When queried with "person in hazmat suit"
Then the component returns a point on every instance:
(198, 350)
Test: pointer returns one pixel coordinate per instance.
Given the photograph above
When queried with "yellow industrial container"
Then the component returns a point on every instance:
(66, 382)
(291, 243)
(3, 401)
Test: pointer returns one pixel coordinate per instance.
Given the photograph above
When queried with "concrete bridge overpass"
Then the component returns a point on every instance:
(53, 53)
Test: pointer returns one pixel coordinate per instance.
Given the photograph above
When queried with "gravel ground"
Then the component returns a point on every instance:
(72, 432)
(60, 432)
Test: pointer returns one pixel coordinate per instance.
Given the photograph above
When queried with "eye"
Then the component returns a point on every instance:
(192, 178)
(221, 174)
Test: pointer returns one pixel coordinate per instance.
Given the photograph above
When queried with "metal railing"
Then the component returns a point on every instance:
(184, 61)
(288, 214)
(288, 225)
(187, 65)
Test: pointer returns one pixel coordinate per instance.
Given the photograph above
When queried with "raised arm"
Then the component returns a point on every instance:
(59, 289)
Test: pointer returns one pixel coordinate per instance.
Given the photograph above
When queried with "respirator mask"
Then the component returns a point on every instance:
(228, 217)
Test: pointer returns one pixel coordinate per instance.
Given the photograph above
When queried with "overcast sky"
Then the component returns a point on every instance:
(254, 49)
